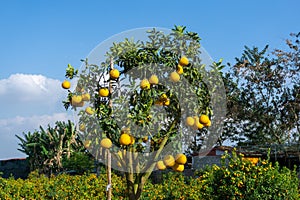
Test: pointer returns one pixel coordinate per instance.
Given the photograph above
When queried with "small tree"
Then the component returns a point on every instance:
(80, 161)
(145, 102)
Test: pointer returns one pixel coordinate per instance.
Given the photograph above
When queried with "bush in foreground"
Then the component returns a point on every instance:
(238, 179)
(243, 179)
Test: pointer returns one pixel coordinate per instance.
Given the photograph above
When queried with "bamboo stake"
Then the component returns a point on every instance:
(109, 189)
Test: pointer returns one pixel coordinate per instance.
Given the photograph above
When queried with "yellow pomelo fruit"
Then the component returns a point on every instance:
(86, 97)
(149, 117)
(197, 124)
(87, 143)
(190, 121)
(76, 99)
(207, 124)
(114, 74)
(125, 139)
(159, 102)
(103, 92)
(66, 84)
(175, 77)
(179, 69)
(184, 61)
(153, 80)
(160, 165)
(106, 143)
(163, 97)
(204, 119)
(180, 159)
(82, 127)
(167, 102)
(169, 160)
(145, 139)
(178, 167)
(145, 85)
(89, 110)
(132, 140)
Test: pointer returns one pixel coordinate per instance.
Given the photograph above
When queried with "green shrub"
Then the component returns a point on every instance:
(80, 162)
(241, 179)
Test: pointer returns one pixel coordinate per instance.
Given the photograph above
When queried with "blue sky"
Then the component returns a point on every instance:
(39, 38)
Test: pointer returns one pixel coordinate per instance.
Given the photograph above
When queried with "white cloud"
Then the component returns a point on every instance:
(17, 125)
(26, 95)
(27, 87)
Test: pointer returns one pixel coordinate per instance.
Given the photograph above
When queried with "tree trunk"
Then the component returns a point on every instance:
(136, 181)
(135, 186)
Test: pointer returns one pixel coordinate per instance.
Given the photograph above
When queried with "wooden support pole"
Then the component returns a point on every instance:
(109, 189)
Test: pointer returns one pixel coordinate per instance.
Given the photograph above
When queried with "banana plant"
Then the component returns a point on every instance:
(46, 148)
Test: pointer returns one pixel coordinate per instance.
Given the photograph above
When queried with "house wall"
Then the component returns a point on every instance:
(200, 162)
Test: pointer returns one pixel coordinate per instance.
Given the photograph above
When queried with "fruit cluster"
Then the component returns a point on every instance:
(114, 74)
(163, 100)
(175, 76)
(78, 100)
(177, 163)
(145, 84)
(198, 122)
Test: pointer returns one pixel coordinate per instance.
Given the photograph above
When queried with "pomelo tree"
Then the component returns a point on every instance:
(141, 103)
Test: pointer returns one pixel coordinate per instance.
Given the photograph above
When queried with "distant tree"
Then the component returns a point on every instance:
(234, 112)
(265, 96)
(290, 59)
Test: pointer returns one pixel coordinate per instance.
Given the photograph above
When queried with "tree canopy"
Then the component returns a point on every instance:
(263, 96)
